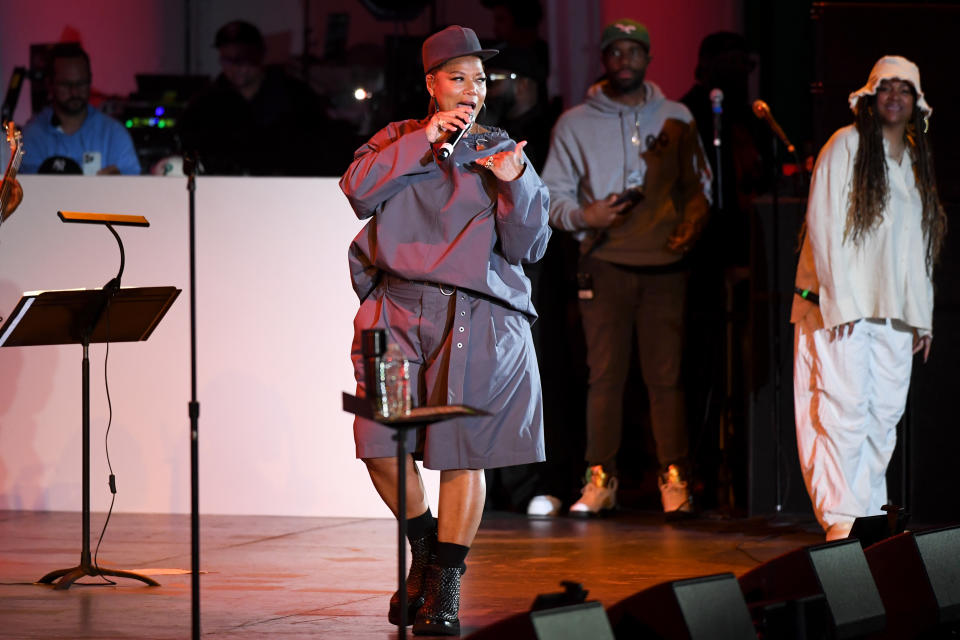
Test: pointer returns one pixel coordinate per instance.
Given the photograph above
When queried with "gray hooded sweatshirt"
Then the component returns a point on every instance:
(603, 147)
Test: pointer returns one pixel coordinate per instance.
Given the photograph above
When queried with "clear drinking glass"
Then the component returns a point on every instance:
(395, 372)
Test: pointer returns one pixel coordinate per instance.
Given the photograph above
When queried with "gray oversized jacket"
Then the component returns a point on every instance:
(450, 222)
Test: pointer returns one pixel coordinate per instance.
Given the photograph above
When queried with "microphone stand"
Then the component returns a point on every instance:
(778, 312)
(190, 170)
(775, 297)
(761, 110)
(724, 475)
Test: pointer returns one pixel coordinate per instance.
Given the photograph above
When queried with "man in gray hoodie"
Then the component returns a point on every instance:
(628, 176)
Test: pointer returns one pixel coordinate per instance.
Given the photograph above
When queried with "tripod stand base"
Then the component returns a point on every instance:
(71, 575)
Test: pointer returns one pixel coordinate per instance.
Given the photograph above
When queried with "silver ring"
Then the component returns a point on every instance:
(489, 163)
(440, 124)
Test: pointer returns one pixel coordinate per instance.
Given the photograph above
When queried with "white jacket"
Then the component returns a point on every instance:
(885, 275)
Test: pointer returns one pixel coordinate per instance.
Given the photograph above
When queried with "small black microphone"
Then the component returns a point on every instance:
(443, 147)
(716, 99)
(762, 111)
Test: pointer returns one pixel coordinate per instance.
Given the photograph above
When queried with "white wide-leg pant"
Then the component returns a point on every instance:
(849, 393)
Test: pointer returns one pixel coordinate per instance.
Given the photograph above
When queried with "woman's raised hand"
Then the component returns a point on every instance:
(443, 121)
(506, 165)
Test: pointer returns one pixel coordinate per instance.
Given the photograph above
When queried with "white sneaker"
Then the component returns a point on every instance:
(543, 506)
(599, 493)
(674, 493)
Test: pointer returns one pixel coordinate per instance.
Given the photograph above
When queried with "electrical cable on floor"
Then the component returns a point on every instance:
(740, 548)
(106, 446)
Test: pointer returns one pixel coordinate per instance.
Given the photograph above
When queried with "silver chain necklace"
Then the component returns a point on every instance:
(635, 139)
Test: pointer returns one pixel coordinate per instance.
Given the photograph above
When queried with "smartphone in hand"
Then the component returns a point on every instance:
(633, 195)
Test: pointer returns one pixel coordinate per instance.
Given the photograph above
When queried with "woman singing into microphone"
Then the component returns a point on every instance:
(438, 267)
(875, 227)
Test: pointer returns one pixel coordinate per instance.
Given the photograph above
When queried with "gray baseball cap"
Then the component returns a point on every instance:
(452, 42)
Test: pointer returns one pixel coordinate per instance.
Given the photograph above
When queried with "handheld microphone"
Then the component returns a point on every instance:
(716, 99)
(762, 111)
(443, 147)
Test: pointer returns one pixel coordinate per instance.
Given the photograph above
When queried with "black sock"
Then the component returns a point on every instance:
(451, 555)
(421, 526)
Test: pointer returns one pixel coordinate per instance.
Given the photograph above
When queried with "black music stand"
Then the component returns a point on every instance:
(81, 317)
(418, 417)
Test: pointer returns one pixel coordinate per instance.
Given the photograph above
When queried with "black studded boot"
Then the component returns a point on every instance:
(441, 607)
(421, 550)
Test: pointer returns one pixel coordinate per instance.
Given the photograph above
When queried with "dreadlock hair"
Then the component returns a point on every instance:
(870, 191)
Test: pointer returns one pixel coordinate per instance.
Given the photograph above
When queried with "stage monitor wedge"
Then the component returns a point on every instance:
(705, 608)
(573, 622)
(918, 575)
(838, 570)
(852, 597)
(585, 620)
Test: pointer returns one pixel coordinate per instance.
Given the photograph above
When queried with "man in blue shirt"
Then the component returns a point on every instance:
(70, 136)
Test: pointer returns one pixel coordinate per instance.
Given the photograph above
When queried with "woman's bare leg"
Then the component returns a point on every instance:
(383, 473)
(462, 492)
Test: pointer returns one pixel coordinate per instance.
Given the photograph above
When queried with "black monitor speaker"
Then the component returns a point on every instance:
(571, 622)
(836, 570)
(918, 575)
(706, 608)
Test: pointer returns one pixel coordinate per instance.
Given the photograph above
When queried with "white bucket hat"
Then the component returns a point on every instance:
(887, 68)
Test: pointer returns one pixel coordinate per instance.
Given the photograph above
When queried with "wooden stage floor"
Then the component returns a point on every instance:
(332, 577)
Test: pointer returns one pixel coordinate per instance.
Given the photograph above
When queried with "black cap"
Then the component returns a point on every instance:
(60, 165)
(238, 32)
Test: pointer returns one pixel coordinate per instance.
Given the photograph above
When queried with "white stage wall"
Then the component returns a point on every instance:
(274, 315)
